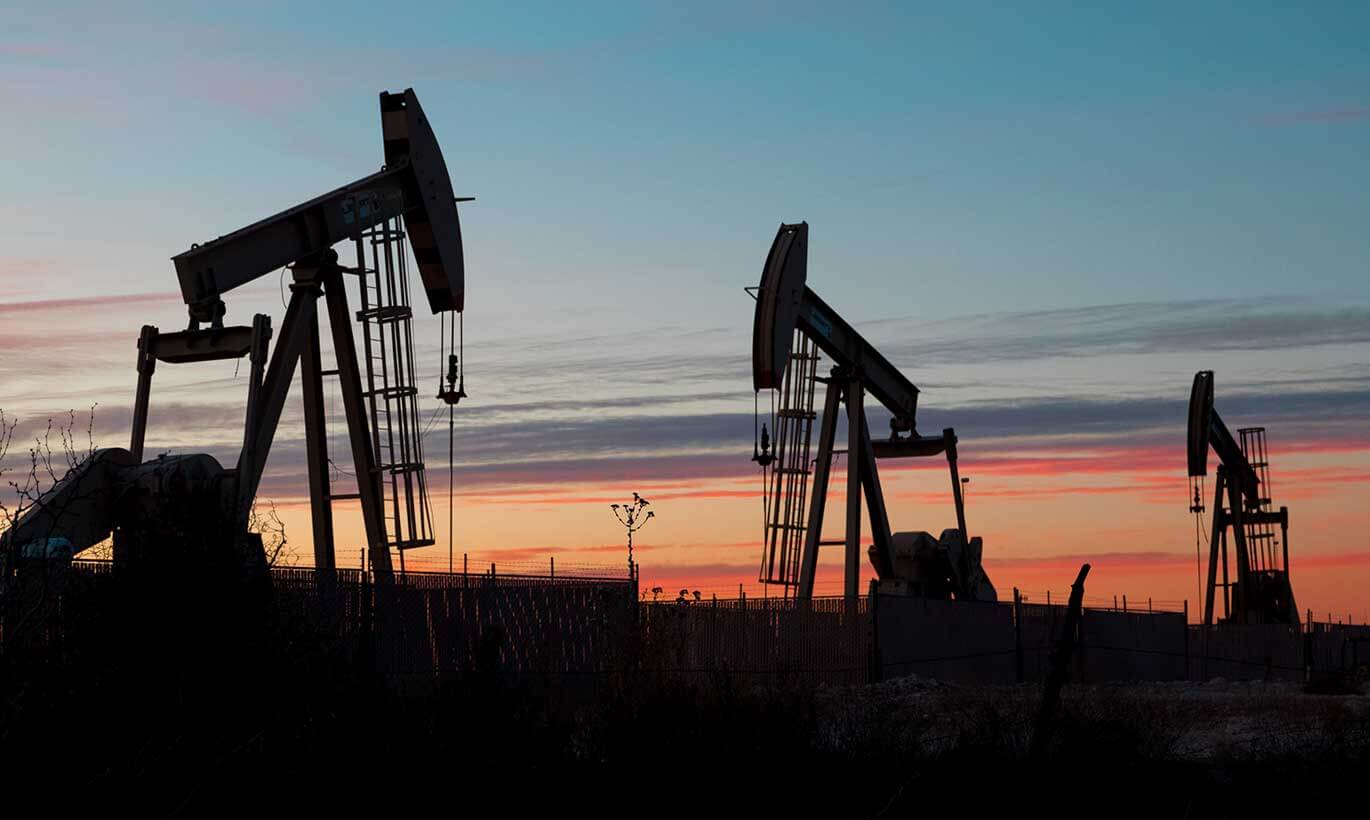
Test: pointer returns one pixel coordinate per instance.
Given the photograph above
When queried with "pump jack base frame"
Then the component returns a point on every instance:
(269, 383)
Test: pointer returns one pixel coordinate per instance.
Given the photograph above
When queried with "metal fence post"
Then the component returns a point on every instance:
(876, 672)
(1060, 660)
(1186, 639)
(1018, 635)
(1309, 652)
(1080, 645)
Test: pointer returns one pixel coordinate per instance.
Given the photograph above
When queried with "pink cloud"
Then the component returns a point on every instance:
(22, 50)
(95, 304)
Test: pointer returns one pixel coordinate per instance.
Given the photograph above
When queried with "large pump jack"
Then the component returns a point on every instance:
(790, 316)
(1257, 589)
(167, 498)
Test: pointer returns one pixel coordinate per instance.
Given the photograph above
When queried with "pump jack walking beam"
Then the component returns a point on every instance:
(414, 184)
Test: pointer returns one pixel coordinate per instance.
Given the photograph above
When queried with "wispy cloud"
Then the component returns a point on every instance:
(22, 51)
(94, 304)
(684, 428)
(1150, 327)
(1348, 114)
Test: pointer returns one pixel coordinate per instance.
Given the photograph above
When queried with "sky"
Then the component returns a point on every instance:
(1047, 215)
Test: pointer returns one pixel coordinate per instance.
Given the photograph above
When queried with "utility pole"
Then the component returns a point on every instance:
(632, 518)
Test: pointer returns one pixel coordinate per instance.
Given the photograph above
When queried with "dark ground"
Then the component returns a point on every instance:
(178, 716)
(646, 746)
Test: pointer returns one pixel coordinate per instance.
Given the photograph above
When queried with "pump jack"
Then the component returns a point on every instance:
(1260, 592)
(789, 317)
(413, 185)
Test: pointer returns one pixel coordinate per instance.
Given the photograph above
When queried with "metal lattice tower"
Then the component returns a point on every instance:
(1262, 543)
(786, 502)
(392, 392)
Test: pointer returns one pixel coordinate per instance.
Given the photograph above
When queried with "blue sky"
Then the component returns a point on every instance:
(980, 156)
(1034, 208)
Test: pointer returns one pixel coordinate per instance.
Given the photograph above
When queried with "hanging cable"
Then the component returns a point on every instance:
(1196, 506)
(328, 414)
(761, 454)
(451, 450)
(1198, 556)
(452, 386)
(451, 390)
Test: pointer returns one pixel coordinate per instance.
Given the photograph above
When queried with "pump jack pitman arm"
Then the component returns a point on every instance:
(414, 184)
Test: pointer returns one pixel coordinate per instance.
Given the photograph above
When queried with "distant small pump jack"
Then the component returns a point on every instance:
(791, 328)
(1254, 586)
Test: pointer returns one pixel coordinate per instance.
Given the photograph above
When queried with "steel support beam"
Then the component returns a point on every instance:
(1284, 542)
(257, 350)
(1235, 492)
(851, 586)
(822, 469)
(949, 439)
(147, 364)
(304, 294)
(358, 430)
(875, 501)
(1213, 555)
(316, 450)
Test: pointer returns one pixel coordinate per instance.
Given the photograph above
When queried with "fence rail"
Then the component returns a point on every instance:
(578, 625)
(824, 640)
